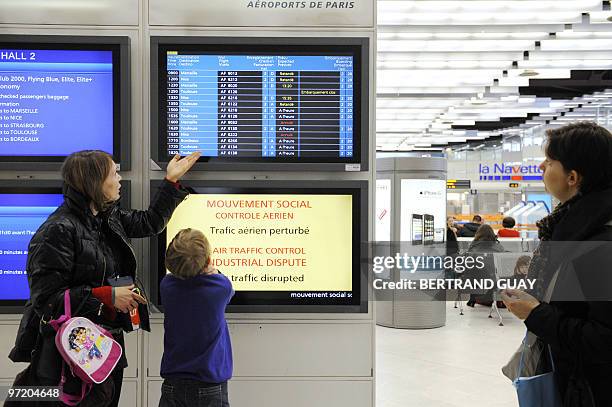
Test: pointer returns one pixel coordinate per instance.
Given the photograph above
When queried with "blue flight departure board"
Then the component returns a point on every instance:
(20, 217)
(259, 106)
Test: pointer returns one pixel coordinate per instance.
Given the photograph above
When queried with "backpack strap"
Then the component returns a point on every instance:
(56, 323)
(72, 399)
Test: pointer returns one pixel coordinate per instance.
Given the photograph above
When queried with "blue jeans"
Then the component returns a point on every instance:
(192, 393)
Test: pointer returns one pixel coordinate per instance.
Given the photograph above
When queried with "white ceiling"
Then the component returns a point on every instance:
(445, 63)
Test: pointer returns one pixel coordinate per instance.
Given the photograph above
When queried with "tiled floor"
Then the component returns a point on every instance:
(457, 365)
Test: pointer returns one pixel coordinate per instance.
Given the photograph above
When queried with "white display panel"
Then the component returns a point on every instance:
(220, 13)
(58, 12)
(383, 210)
(427, 198)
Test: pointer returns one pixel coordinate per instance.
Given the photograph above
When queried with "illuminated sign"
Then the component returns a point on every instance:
(458, 184)
(504, 172)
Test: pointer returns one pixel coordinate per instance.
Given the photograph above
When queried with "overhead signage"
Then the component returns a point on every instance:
(458, 184)
(505, 172)
(273, 13)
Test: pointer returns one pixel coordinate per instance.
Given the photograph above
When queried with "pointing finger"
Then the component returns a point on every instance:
(194, 156)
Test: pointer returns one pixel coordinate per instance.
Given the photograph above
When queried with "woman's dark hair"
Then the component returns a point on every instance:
(586, 148)
(485, 233)
(85, 171)
(508, 222)
(522, 261)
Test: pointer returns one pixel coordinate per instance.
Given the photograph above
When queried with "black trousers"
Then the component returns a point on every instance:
(106, 394)
(117, 377)
(191, 393)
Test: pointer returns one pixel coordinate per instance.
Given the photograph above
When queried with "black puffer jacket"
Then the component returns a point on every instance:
(71, 250)
(469, 229)
(580, 332)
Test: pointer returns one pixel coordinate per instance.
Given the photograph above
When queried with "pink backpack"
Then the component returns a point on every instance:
(90, 351)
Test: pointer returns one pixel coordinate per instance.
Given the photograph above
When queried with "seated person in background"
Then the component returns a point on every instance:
(452, 247)
(508, 223)
(470, 228)
(521, 267)
(485, 241)
(197, 360)
(450, 224)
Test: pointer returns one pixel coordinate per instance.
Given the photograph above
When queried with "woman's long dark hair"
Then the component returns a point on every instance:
(522, 261)
(485, 233)
(85, 171)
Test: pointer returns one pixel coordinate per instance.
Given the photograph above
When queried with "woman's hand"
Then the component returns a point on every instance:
(177, 167)
(126, 300)
(519, 302)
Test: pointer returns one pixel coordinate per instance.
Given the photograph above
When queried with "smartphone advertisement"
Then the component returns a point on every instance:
(423, 211)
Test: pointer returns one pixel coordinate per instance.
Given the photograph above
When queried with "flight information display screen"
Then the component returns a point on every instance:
(57, 101)
(286, 105)
(21, 214)
(286, 247)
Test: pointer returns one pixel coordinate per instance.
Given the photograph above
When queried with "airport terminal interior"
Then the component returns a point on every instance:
(332, 134)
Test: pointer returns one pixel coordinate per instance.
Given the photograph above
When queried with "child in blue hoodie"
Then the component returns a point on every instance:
(197, 360)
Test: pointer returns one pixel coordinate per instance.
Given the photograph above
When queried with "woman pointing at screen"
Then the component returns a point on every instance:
(83, 246)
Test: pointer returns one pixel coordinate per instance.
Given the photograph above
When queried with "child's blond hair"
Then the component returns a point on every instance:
(188, 254)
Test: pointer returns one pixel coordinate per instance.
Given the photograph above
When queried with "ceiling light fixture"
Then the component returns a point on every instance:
(529, 72)
(477, 101)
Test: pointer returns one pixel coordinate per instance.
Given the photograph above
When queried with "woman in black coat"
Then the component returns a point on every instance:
(83, 246)
(571, 307)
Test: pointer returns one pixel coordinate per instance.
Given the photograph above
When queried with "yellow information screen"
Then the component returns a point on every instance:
(274, 242)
